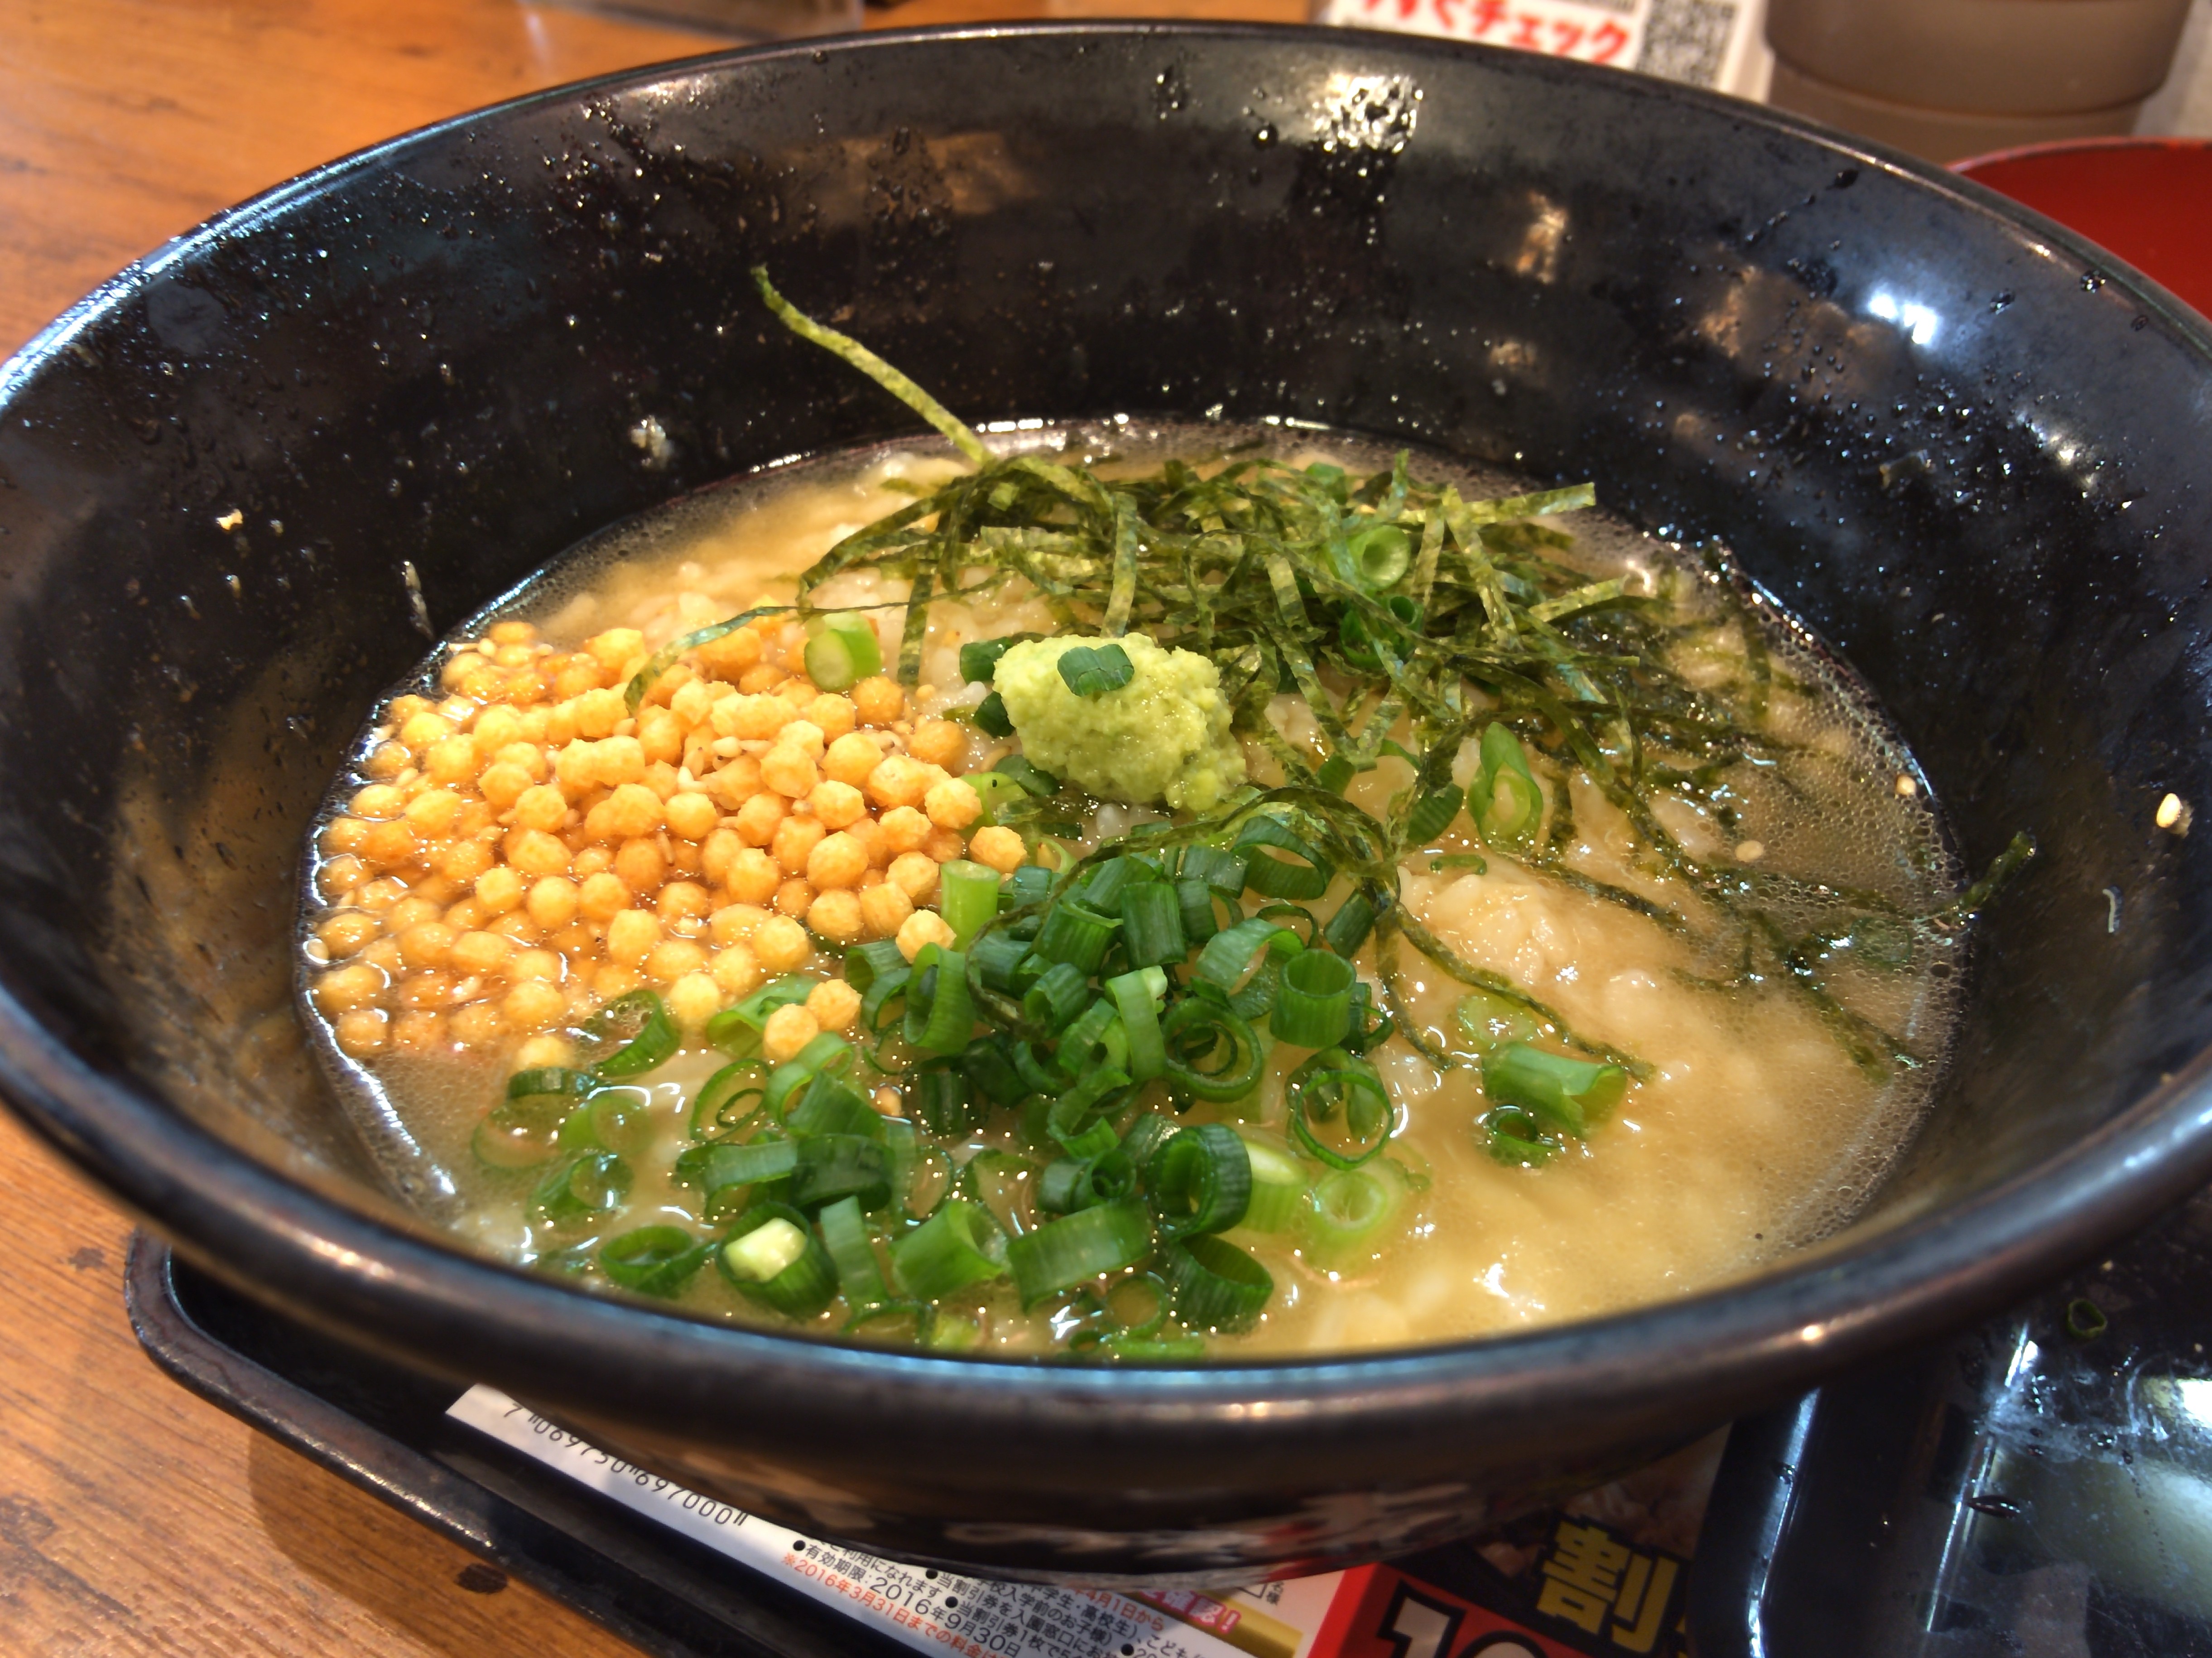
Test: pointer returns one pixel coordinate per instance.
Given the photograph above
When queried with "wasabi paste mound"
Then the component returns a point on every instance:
(1161, 739)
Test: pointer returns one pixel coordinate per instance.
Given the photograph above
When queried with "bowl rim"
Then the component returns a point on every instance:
(359, 1276)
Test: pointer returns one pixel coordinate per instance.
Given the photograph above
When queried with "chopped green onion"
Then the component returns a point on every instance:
(1094, 670)
(1065, 1185)
(1093, 1035)
(1505, 800)
(835, 1166)
(992, 719)
(1140, 1023)
(996, 960)
(844, 653)
(957, 1246)
(716, 1106)
(1314, 1007)
(1076, 934)
(579, 1186)
(1274, 877)
(1195, 900)
(1146, 1135)
(1027, 885)
(830, 1106)
(1102, 888)
(1489, 1020)
(827, 1055)
(1032, 1070)
(995, 789)
(776, 1259)
(1201, 1180)
(1038, 782)
(1217, 1285)
(968, 897)
(633, 1033)
(1063, 1253)
(1151, 924)
(1347, 1214)
(940, 1015)
(1222, 871)
(903, 1147)
(938, 1098)
(866, 963)
(989, 1072)
(1566, 1093)
(1091, 1140)
(613, 1119)
(1222, 964)
(736, 1031)
(979, 658)
(1279, 1187)
(1380, 556)
(556, 1080)
(1066, 1117)
(1315, 1091)
(1196, 1031)
(654, 1260)
(522, 1133)
(1140, 1349)
(726, 1174)
(844, 1237)
(1515, 1137)
(885, 998)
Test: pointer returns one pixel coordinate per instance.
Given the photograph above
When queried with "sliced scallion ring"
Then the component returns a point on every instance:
(957, 1246)
(654, 1260)
(1216, 1285)
(727, 1098)
(1331, 1085)
(728, 1176)
(1211, 1052)
(522, 1133)
(845, 1236)
(1200, 1181)
(577, 1188)
(1278, 1187)
(1565, 1094)
(632, 1035)
(1063, 1253)
(1313, 1008)
(1349, 1215)
(831, 1166)
(773, 1258)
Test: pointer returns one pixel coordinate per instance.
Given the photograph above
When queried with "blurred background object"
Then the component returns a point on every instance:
(745, 19)
(1952, 78)
(2149, 200)
(1715, 44)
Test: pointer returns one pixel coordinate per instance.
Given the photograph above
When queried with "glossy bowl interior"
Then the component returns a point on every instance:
(1962, 447)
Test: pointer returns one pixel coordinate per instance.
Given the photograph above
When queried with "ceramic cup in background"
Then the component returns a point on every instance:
(1952, 78)
(742, 20)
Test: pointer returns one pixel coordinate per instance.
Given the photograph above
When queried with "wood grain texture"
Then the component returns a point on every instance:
(133, 1517)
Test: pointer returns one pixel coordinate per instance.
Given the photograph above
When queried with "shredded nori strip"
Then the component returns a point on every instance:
(1286, 580)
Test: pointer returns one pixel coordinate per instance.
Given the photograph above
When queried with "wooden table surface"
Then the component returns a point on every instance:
(133, 1517)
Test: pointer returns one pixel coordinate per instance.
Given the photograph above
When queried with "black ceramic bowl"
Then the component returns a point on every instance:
(1959, 444)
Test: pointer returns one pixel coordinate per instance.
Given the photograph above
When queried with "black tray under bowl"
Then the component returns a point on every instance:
(2039, 1486)
(385, 1429)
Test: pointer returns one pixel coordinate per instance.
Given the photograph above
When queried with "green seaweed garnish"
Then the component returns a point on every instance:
(1412, 622)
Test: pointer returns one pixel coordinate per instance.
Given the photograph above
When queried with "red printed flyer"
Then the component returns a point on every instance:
(1604, 1575)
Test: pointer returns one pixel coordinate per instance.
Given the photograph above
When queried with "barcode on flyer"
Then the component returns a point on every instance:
(1563, 1585)
(1709, 43)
